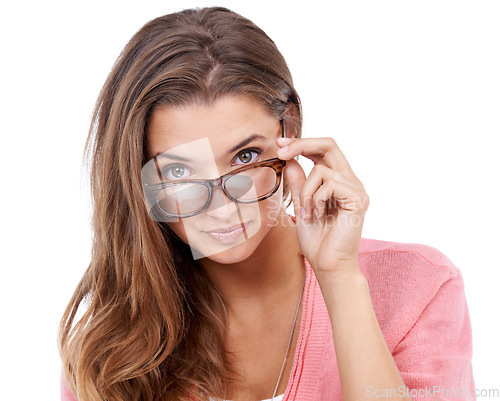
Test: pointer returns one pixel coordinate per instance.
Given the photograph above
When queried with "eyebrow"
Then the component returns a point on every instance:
(243, 143)
(171, 156)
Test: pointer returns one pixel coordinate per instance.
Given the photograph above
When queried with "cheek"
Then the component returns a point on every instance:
(270, 207)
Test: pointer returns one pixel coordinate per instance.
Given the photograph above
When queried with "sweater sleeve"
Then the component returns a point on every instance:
(66, 393)
(434, 357)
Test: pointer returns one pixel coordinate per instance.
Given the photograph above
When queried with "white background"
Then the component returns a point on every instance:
(409, 90)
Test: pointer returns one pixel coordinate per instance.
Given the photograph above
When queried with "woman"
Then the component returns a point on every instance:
(201, 286)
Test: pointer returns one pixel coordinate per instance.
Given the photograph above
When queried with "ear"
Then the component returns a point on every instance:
(291, 120)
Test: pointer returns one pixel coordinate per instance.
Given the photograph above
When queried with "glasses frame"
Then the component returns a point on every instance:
(275, 163)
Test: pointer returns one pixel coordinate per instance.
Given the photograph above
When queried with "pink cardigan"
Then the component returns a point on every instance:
(419, 300)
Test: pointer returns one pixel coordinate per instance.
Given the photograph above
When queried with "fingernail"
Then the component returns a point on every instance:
(282, 150)
(316, 212)
(302, 212)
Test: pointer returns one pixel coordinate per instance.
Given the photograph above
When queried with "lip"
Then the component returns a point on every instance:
(229, 234)
(227, 229)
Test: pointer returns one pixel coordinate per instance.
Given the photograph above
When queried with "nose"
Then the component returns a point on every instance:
(221, 207)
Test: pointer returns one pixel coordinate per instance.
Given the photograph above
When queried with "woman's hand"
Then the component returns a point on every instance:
(329, 239)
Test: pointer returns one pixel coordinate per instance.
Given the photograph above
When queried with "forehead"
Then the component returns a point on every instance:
(224, 123)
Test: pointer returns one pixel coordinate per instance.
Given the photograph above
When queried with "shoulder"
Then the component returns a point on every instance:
(401, 260)
(425, 252)
(66, 392)
(404, 279)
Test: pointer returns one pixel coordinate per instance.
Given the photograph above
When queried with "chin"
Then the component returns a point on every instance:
(233, 255)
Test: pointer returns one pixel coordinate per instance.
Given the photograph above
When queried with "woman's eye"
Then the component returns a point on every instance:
(245, 156)
(175, 172)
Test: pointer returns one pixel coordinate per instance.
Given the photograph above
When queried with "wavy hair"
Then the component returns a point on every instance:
(153, 326)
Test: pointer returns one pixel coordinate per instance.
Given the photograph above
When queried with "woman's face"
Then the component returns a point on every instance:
(205, 142)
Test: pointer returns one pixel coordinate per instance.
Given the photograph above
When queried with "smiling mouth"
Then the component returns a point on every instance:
(229, 234)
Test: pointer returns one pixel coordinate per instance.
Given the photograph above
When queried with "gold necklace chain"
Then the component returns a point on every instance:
(290, 339)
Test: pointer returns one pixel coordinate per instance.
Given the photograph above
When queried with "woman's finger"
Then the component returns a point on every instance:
(319, 175)
(295, 177)
(334, 194)
(322, 199)
(321, 151)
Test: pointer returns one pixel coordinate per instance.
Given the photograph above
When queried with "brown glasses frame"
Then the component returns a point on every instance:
(276, 164)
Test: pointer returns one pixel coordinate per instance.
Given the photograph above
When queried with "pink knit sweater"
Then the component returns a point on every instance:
(419, 300)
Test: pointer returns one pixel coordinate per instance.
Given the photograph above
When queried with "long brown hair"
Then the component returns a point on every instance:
(154, 325)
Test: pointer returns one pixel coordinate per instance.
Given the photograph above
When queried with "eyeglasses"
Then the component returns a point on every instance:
(187, 198)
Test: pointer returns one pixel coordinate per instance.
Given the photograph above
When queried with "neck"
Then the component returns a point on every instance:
(272, 271)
